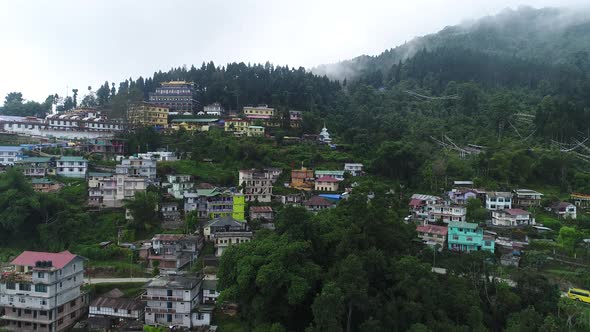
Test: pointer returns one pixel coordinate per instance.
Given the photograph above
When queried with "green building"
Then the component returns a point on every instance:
(465, 236)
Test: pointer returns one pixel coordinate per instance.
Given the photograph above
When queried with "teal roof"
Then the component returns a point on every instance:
(34, 160)
(208, 192)
(41, 181)
(463, 224)
(72, 158)
(330, 172)
(100, 174)
(256, 127)
(194, 120)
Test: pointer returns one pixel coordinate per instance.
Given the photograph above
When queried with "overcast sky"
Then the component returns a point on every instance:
(52, 46)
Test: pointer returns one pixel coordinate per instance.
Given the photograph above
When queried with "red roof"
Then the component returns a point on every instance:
(317, 201)
(516, 212)
(432, 229)
(58, 260)
(326, 179)
(260, 209)
(416, 202)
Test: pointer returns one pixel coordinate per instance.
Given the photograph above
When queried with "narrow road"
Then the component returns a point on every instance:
(94, 281)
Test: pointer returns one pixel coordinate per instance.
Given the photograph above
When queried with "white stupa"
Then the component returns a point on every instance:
(324, 136)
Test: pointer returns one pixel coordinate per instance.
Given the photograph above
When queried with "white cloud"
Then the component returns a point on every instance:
(47, 46)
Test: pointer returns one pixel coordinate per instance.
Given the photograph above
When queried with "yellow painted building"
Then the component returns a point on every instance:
(259, 112)
(237, 125)
(147, 115)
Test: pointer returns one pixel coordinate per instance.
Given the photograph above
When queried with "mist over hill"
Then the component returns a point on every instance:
(548, 35)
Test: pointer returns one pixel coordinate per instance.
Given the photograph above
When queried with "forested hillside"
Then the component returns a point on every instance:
(549, 36)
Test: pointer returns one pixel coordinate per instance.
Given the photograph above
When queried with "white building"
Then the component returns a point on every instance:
(72, 167)
(111, 190)
(355, 169)
(498, 200)
(42, 292)
(257, 185)
(114, 305)
(177, 185)
(338, 175)
(135, 166)
(10, 154)
(225, 239)
(171, 299)
(564, 210)
(446, 213)
(159, 155)
(512, 218)
(214, 109)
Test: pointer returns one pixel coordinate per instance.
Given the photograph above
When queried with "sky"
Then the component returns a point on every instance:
(53, 46)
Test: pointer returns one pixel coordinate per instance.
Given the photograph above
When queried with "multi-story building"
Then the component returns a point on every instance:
(10, 154)
(355, 169)
(37, 166)
(134, 166)
(45, 185)
(255, 131)
(295, 118)
(564, 210)
(175, 95)
(159, 155)
(256, 185)
(527, 198)
(498, 200)
(580, 200)
(326, 183)
(107, 146)
(170, 300)
(462, 195)
(224, 240)
(172, 251)
(214, 109)
(147, 115)
(264, 213)
(214, 203)
(338, 175)
(237, 125)
(302, 179)
(84, 119)
(317, 203)
(433, 235)
(261, 112)
(42, 292)
(116, 307)
(178, 184)
(446, 213)
(171, 216)
(421, 204)
(465, 236)
(112, 190)
(72, 167)
(512, 218)
(222, 224)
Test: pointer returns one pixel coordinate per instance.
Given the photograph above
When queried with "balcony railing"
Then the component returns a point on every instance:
(146, 297)
(161, 310)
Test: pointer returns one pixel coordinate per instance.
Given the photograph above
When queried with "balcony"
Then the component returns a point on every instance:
(146, 297)
(160, 310)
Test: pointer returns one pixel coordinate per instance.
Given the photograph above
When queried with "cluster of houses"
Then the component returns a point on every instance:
(442, 221)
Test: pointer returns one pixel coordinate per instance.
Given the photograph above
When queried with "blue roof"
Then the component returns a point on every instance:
(10, 148)
(334, 197)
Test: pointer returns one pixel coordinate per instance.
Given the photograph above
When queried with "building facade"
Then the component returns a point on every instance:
(223, 240)
(433, 235)
(446, 213)
(178, 184)
(10, 154)
(302, 179)
(172, 251)
(256, 185)
(112, 190)
(134, 166)
(72, 167)
(175, 95)
(466, 237)
(512, 218)
(526, 198)
(42, 292)
(326, 183)
(355, 169)
(498, 200)
(215, 203)
(564, 210)
(171, 299)
(338, 175)
(147, 115)
(214, 109)
(37, 166)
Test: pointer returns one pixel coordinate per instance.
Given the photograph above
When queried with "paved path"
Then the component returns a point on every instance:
(114, 280)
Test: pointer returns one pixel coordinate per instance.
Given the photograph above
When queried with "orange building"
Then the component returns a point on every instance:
(302, 179)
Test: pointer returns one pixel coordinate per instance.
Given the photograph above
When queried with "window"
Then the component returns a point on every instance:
(27, 311)
(455, 237)
(43, 313)
(24, 287)
(60, 309)
(73, 304)
(21, 300)
(10, 285)
(73, 315)
(60, 321)
(469, 238)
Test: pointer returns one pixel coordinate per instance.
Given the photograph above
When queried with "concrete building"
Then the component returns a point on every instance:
(466, 237)
(214, 109)
(72, 167)
(42, 292)
(116, 307)
(223, 240)
(222, 224)
(421, 204)
(214, 203)
(580, 200)
(255, 131)
(178, 184)
(171, 216)
(172, 251)
(111, 190)
(174, 95)
(256, 185)
(446, 213)
(338, 175)
(37, 166)
(10, 154)
(159, 155)
(433, 235)
(317, 203)
(564, 210)
(355, 169)
(45, 185)
(147, 115)
(326, 183)
(512, 218)
(264, 213)
(261, 112)
(170, 300)
(498, 200)
(302, 179)
(526, 198)
(134, 166)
